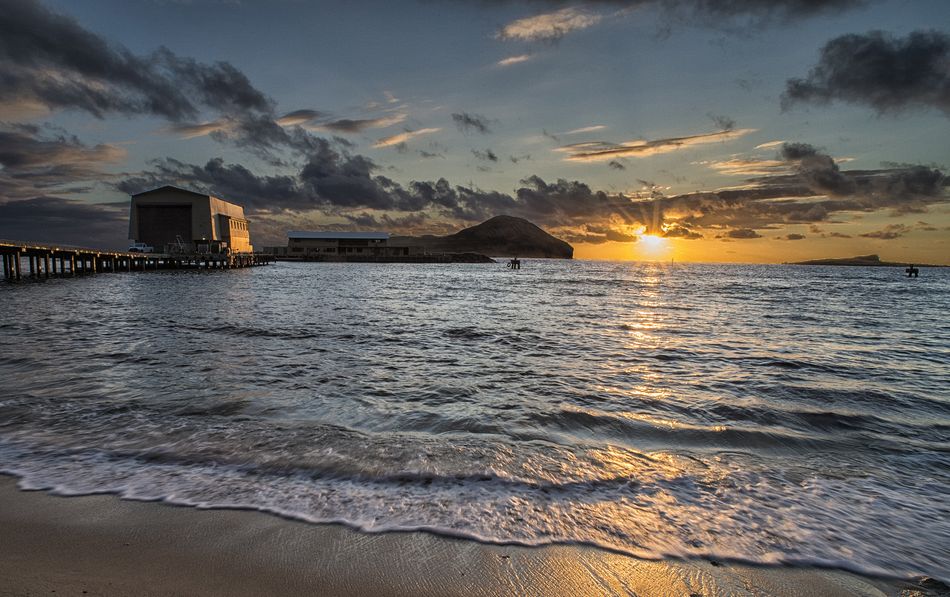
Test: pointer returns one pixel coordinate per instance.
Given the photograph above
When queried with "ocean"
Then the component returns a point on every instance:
(771, 414)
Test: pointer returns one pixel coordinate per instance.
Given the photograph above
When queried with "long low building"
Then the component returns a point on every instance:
(169, 217)
(331, 246)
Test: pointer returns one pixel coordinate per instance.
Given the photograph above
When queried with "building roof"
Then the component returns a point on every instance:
(320, 235)
(169, 187)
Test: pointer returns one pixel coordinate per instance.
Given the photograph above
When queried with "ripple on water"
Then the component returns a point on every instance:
(762, 413)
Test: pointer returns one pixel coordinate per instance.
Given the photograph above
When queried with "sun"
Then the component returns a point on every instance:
(652, 247)
(652, 242)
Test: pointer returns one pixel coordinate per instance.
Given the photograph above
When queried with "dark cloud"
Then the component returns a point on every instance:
(889, 232)
(38, 160)
(812, 190)
(488, 155)
(350, 125)
(817, 170)
(758, 9)
(723, 122)
(596, 235)
(616, 165)
(49, 58)
(793, 236)
(743, 233)
(680, 231)
(61, 221)
(386, 222)
(472, 122)
(907, 189)
(726, 13)
(876, 69)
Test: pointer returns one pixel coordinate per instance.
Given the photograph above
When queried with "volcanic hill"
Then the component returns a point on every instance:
(501, 236)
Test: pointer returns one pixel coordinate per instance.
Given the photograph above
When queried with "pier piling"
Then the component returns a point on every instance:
(42, 261)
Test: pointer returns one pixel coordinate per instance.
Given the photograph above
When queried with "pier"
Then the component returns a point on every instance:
(54, 261)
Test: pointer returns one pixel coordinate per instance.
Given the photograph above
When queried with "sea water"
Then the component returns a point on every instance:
(776, 414)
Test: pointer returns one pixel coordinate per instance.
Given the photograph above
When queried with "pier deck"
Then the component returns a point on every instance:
(45, 261)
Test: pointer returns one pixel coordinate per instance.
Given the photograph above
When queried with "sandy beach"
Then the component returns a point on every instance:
(101, 545)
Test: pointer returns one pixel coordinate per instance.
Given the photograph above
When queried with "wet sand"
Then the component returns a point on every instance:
(101, 545)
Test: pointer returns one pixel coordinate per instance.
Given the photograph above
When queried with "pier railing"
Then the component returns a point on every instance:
(45, 261)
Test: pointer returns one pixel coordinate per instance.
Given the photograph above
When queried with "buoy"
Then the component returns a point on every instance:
(514, 264)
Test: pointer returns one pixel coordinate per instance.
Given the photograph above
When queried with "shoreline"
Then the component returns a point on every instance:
(104, 545)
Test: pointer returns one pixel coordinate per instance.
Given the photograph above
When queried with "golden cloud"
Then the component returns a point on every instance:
(597, 151)
(403, 137)
(549, 26)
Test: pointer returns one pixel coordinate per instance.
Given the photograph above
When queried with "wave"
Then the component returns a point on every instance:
(697, 517)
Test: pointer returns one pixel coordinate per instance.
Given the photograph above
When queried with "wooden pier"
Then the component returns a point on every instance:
(49, 261)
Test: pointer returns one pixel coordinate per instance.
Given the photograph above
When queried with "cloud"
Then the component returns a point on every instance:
(298, 117)
(616, 165)
(48, 58)
(889, 232)
(201, 129)
(769, 144)
(593, 151)
(680, 231)
(404, 224)
(487, 155)
(906, 189)
(721, 121)
(471, 122)
(550, 26)
(510, 60)
(349, 125)
(736, 15)
(876, 69)
(743, 233)
(792, 236)
(750, 167)
(596, 235)
(403, 137)
(61, 221)
(585, 129)
(332, 181)
(38, 160)
(819, 171)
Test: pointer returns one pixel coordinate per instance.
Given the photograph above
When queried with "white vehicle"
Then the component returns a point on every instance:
(141, 248)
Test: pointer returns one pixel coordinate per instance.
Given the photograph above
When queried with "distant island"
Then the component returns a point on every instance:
(860, 260)
(501, 236)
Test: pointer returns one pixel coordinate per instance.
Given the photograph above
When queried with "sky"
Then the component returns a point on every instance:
(744, 131)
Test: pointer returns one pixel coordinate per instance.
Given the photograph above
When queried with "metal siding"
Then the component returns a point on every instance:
(159, 224)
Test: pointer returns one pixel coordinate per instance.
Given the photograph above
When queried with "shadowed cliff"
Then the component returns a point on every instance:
(501, 236)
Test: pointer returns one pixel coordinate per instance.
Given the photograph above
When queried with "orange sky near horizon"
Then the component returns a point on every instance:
(921, 244)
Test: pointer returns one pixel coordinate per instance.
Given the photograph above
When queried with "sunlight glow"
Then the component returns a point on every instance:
(652, 242)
